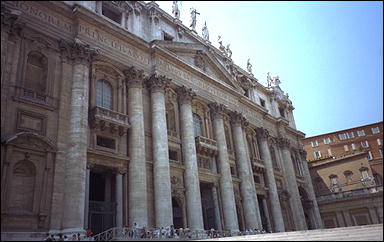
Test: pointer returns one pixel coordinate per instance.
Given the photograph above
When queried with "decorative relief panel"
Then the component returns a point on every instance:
(29, 121)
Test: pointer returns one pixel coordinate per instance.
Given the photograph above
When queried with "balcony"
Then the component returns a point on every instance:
(31, 96)
(352, 193)
(205, 146)
(257, 165)
(101, 118)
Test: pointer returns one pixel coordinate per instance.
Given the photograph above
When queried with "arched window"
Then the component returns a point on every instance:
(22, 190)
(197, 124)
(103, 94)
(36, 72)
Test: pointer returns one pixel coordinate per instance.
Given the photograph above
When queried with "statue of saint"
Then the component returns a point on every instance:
(249, 67)
(205, 32)
(175, 10)
(193, 19)
(229, 52)
(221, 47)
(269, 80)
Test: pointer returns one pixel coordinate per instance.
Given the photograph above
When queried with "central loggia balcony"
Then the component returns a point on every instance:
(103, 118)
(206, 146)
(257, 165)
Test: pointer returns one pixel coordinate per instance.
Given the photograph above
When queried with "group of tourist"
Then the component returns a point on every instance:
(74, 237)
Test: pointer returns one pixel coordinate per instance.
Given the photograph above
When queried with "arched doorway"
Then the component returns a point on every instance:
(177, 214)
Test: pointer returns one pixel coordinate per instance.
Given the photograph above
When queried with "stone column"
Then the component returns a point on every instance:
(295, 201)
(87, 183)
(217, 208)
(373, 215)
(340, 219)
(311, 192)
(161, 170)
(266, 212)
(191, 174)
(119, 198)
(226, 185)
(250, 206)
(262, 135)
(75, 168)
(137, 198)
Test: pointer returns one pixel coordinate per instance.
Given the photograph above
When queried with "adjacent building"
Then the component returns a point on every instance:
(115, 113)
(347, 173)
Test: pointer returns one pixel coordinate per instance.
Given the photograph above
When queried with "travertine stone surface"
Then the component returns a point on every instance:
(251, 214)
(136, 146)
(273, 195)
(295, 202)
(119, 200)
(161, 170)
(217, 208)
(191, 174)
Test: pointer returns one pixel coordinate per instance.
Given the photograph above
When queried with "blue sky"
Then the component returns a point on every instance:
(328, 55)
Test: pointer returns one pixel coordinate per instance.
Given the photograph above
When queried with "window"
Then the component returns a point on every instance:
(167, 37)
(314, 143)
(360, 133)
(379, 141)
(282, 112)
(365, 144)
(257, 179)
(106, 142)
(334, 182)
(112, 14)
(262, 102)
(364, 173)
(348, 175)
(381, 153)
(350, 135)
(329, 152)
(36, 72)
(233, 171)
(317, 154)
(346, 148)
(103, 94)
(370, 157)
(353, 146)
(342, 136)
(375, 130)
(197, 124)
(327, 140)
(173, 155)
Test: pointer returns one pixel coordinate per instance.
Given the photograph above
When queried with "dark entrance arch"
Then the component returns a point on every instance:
(177, 214)
(307, 206)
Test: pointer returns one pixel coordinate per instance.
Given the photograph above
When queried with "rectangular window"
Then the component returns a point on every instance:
(350, 135)
(364, 174)
(106, 142)
(314, 143)
(370, 157)
(173, 155)
(365, 144)
(329, 152)
(257, 179)
(262, 102)
(381, 153)
(379, 141)
(342, 136)
(327, 140)
(111, 14)
(361, 132)
(353, 146)
(167, 37)
(317, 154)
(375, 130)
(346, 148)
(282, 112)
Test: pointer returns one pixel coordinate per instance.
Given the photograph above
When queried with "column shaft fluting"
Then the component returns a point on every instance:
(295, 201)
(251, 215)
(226, 185)
(191, 174)
(161, 170)
(272, 192)
(136, 146)
(217, 208)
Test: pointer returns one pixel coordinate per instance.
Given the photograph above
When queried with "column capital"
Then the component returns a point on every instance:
(158, 82)
(134, 77)
(9, 20)
(262, 133)
(283, 142)
(122, 170)
(78, 51)
(185, 94)
(238, 118)
(217, 109)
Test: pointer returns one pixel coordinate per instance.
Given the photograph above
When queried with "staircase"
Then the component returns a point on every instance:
(355, 233)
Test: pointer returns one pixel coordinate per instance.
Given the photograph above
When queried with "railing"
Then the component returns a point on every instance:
(22, 93)
(109, 115)
(172, 133)
(352, 193)
(126, 233)
(206, 146)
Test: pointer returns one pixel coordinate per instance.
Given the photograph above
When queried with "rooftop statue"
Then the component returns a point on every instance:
(229, 52)
(221, 47)
(273, 82)
(175, 10)
(205, 32)
(249, 67)
(193, 19)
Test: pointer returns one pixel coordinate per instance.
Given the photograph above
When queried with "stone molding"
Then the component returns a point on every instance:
(185, 94)
(262, 133)
(238, 118)
(78, 51)
(9, 20)
(217, 110)
(134, 77)
(283, 142)
(158, 83)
